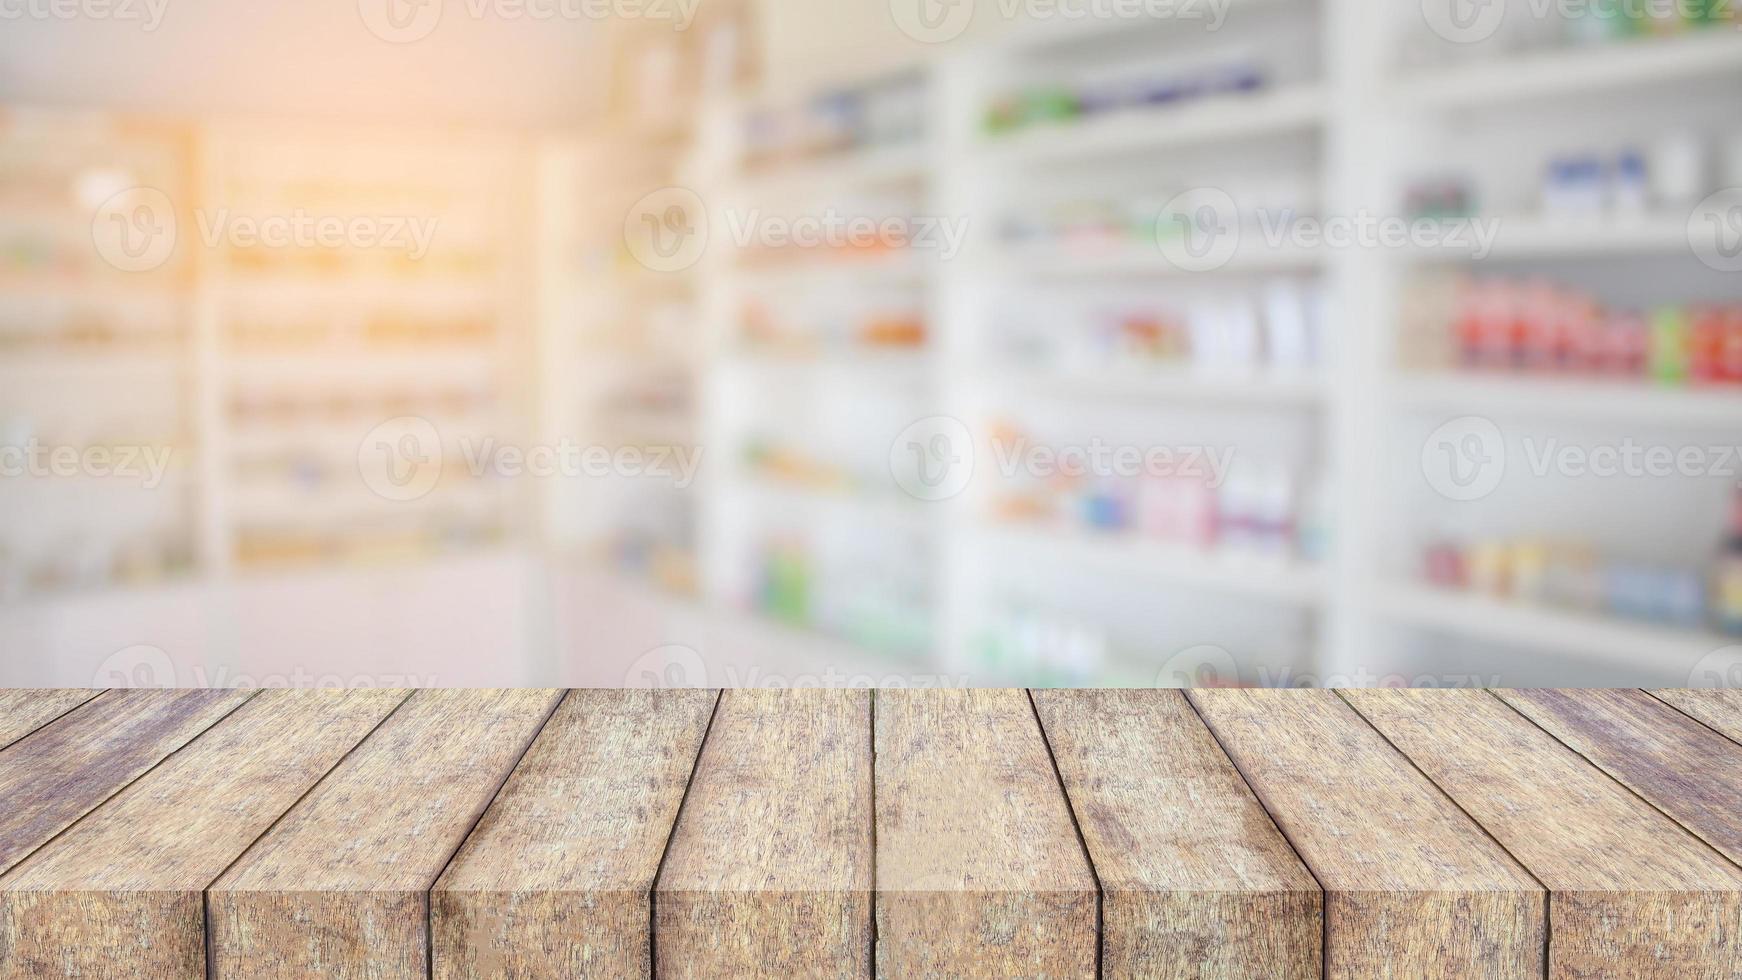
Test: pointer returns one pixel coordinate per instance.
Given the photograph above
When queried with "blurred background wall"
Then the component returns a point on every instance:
(901, 342)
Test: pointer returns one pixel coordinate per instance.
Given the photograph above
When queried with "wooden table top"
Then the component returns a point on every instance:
(832, 833)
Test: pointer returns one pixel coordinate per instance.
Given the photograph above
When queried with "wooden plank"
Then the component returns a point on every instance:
(23, 711)
(123, 886)
(1682, 767)
(339, 887)
(1413, 887)
(1196, 880)
(554, 881)
(769, 868)
(1718, 708)
(65, 769)
(980, 873)
(1632, 893)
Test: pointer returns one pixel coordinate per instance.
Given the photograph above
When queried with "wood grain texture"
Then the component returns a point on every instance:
(1632, 893)
(1682, 767)
(769, 868)
(118, 894)
(554, 881)
(1718, 708)
(23, 711)
(1413, 887)
(1196, 880)
(339, 887)
(980, 872)
(66, 768)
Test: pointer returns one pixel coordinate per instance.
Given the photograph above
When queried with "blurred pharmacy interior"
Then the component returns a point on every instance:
(1264, 342)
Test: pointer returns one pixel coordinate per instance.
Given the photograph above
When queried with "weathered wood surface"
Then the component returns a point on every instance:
(69, 766)
(980, 872)
(23, 711)
(119, 893)
(1196, 878)
(769, 869)
(554, 882)
(1677, 764)
(387, 834)
(1720, 710)
(340, 886)
(1413, 887)
(1633, 894)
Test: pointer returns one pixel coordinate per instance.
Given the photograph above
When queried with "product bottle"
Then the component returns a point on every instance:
(1727, 576)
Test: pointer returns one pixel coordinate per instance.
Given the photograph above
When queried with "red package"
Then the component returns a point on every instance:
(1729, 368)
(1706, 342)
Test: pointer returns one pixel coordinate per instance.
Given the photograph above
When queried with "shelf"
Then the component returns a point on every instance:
(1543, 237)
(896, 366)
(1279, 112)
(1620, 642)
(1288, 581)
(325, 370)
(878, 270)
(292, 292)
(767, 635)
(1138, 260)
(845, 502)
(65, 366)
(1574, 399)
(1165, 385)
(885, 165)
(1593, 70)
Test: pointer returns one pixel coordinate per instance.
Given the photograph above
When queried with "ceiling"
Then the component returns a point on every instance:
(482, 62)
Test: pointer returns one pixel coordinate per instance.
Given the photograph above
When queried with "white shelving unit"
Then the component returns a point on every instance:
(794, 498)
(1598, 68)
(1556, 98)
(94, 356)
(1571, 400)
(1293, 110)
(1615, 643)
(1351, 119)
(1340, 120)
